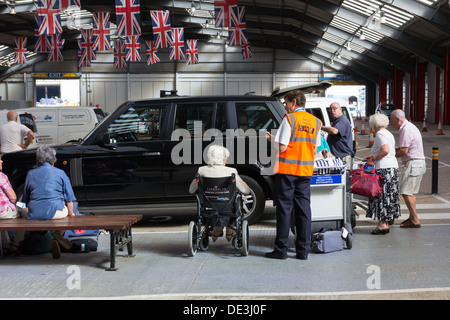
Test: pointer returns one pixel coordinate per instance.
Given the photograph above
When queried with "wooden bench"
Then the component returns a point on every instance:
(118, 226)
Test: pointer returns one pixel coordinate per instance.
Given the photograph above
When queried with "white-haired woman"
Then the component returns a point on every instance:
(387, 206)
(48, 194)
(216, 168)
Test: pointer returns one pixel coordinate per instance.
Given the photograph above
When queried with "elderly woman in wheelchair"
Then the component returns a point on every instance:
(216, 168)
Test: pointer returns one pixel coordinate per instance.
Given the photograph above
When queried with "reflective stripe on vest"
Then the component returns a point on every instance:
(298, 159)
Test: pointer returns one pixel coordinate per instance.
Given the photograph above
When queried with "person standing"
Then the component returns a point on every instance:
(12, 134)
(411, 154)
(295, 141)
(340, 138)
(386, 208)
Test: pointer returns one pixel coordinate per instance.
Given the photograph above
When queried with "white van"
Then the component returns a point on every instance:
(59, 125)
(25, 119)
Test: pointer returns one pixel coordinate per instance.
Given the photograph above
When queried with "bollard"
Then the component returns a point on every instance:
(434, 170)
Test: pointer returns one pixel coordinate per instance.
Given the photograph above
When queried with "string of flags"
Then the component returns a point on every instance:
(48, 33)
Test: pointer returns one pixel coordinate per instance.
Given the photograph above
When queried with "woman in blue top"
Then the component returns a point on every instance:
(48, 193)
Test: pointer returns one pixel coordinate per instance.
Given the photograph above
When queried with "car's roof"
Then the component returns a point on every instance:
(208, 98)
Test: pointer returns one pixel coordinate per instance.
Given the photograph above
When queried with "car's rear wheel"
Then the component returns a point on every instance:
(254, 203)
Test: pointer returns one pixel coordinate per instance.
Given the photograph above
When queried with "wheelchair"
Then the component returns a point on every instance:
(218, 204)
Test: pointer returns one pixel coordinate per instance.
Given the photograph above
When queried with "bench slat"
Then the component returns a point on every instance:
(108, 222)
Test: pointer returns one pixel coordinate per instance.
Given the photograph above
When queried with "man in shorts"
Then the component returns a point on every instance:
(414, 167)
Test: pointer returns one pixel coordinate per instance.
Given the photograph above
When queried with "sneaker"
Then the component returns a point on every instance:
(56, 251)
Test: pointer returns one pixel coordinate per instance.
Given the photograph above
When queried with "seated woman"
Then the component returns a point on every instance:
(8, 210)
(48, 193)
(216, 168)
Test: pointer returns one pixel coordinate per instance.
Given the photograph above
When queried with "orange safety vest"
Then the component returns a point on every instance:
(298, 159)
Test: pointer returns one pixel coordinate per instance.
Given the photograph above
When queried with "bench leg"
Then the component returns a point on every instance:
(118, 239)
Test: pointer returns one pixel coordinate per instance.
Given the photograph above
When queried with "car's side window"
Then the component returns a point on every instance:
(255, 116)
(138, 123)
(221, 118)
(316, 112)
(196, 118)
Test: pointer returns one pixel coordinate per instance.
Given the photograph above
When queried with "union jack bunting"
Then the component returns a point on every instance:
(56, 44)
(133, 48)
(83, 55)
(191, 51)
(237, 34)
(246, 51)
(101, 31)
(152, 55)
(65, 4)
(20, 50)
(161, 28)
(41, 42)
(86, 51)
(176, 49)
(222, 10)
(128, 15)
(119, 55)
(49, 19)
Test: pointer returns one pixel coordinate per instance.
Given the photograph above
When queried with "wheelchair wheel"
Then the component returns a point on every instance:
(204, 241)
(193, 238)
(244, 239)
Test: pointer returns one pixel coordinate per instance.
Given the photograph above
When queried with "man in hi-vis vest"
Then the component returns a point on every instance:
(295, 141)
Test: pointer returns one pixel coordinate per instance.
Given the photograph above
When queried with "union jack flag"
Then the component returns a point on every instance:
(152, 55)
(86, 51)
(49, 19)
(41, 42)
(65, 4)
(176, 49)
(191, 51)
(222, 12)
(83, 53)
(20, 50)
(119, 55)
(161, 28)
(101, 31)
(56, 44)
(246, 51)
(238, 28)
(133, 48)
(128, 15)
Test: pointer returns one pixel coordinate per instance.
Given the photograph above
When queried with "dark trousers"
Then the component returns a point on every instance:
(293, 195)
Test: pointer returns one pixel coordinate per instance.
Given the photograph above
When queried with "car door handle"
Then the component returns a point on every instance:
(152, 154)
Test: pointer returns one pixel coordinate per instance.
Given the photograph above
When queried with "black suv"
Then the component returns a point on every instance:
(148, 151)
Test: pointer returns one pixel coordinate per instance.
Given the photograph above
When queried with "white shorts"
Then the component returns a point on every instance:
(413, 172)
(61, 213)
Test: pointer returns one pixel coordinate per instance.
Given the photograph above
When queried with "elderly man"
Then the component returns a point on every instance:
(414, 167)
(340, 137)
(12, 133)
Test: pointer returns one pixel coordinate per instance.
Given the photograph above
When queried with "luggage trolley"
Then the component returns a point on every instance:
(218, 204)
(331, 203)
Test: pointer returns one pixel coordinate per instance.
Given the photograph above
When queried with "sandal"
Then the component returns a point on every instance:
(230, 234)
(380, 231)
(409, 224)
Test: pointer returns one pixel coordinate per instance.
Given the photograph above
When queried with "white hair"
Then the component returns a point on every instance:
(379, 120)
(217, 155)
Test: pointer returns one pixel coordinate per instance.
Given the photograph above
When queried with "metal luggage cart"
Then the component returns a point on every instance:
(331, 203)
